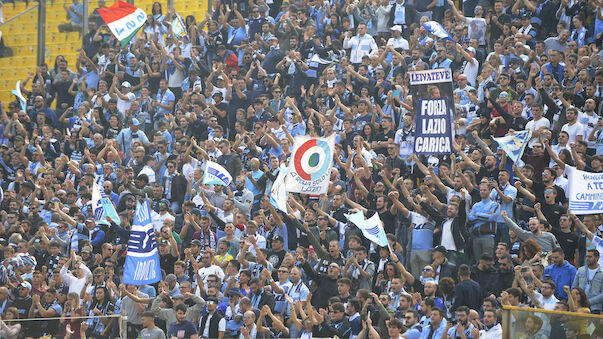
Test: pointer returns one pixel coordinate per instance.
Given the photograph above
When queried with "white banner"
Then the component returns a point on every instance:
(585, 191)
(310, 165)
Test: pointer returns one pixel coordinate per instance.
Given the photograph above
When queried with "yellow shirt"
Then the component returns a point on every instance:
(223, 258)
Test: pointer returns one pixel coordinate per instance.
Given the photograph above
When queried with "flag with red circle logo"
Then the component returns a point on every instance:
(310, 165)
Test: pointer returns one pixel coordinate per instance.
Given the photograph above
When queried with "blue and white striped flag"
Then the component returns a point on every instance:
(103, 206)
(142, 260)
(436, 29)
(372, 228)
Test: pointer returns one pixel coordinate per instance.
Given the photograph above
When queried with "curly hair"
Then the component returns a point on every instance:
(531, 247)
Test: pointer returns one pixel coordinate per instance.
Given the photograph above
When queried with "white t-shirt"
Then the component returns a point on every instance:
(470, 71)
(573, 131)
(536, 125)
(399, 43)
(589, 122)
(158, 219)
(447, 237)
(149, 172)
(205, 272)
(124, 105)
(477, 29)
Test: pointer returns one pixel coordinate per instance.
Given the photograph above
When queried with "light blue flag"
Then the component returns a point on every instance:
(19, 95)
(514, 144)
(372, 228)
(278, 192)
(215, 174)
(142, 260)
(436, 29)
(103, 206)
(178, 28)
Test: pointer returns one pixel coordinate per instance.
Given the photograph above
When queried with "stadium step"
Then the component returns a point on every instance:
(21, 36)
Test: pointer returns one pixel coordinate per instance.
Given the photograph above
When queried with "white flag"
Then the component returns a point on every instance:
(278, 193)
(372, 228)
(215, 174)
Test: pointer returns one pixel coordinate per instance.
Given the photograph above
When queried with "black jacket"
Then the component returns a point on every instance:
(266, 298)
(459, 224)
(448, 269)
(179, 185)
(213, 324)
(327, 287)
(232, 163)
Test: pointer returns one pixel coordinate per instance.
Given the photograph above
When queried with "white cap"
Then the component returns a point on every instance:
(396, 28)
(126, 84)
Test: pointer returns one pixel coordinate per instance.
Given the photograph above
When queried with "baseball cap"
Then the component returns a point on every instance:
(126, 84)
(135, 122)
(25, 284)
(87, 249)
(164, 242)
(278, 238)
(196, 242)
(396, 28)
(440, 249)
(471, 49)
(233, 291)
(196, 211)
(90, 220)
(177, 296)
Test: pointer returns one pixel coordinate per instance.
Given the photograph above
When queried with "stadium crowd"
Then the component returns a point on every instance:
(468, 232)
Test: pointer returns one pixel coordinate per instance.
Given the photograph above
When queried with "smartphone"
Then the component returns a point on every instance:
(311, 250)
(543, 253)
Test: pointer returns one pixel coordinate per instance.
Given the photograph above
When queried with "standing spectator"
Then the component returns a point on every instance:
(467, 292)
(150, 331)
(361, 44)
(74, 13)
(590, 279)
(560, 272)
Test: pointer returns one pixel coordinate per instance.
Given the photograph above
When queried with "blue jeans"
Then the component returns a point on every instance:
(175, 206)
(502, 234)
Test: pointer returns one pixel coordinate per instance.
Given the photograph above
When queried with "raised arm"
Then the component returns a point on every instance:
(466, 159)
(582, 227)
(522, 177)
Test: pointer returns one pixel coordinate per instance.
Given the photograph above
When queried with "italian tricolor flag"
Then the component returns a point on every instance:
(123, 19)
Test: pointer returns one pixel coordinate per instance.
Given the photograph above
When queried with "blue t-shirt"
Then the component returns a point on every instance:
(164, 99)
(250, 186)
(182, 330)
(413, 333)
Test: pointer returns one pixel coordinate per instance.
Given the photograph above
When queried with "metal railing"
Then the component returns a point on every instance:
(123, 320)
(524, 322)
(33, 7)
